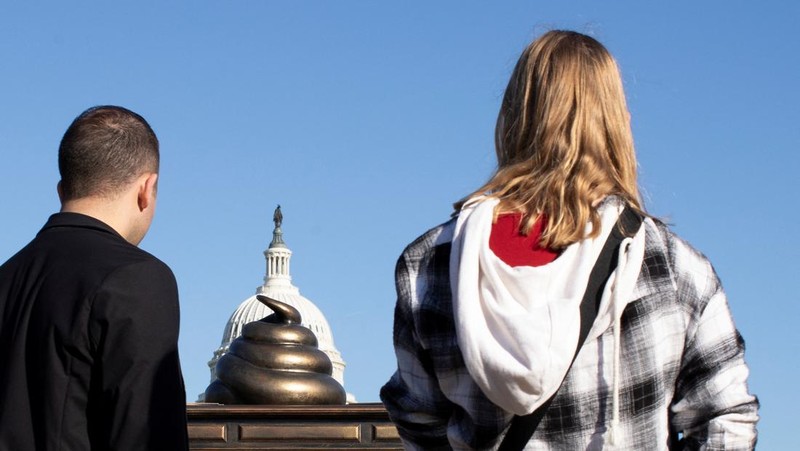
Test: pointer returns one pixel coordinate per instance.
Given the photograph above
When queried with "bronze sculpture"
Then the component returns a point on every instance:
(275, 361)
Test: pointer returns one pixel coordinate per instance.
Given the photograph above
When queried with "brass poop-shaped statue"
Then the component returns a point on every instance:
(275, 361)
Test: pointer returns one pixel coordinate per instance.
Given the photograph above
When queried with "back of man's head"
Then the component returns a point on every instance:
(103, 151)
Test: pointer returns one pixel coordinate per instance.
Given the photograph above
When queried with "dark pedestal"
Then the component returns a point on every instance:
(353, 426)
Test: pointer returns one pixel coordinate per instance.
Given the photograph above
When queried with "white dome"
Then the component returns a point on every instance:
(278, 285)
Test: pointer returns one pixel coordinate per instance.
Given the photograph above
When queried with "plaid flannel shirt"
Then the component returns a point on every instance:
(682, 378)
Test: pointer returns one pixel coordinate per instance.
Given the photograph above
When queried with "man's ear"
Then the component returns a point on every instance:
(147, 190)
(60, 192)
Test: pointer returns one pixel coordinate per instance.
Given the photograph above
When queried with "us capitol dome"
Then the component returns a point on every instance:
(278, 285)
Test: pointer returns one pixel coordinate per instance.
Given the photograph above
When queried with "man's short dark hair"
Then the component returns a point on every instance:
(103, 150)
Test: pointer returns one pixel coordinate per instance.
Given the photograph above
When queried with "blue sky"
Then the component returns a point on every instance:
(366, 120)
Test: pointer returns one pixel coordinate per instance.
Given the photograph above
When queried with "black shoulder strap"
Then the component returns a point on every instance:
(523, 427)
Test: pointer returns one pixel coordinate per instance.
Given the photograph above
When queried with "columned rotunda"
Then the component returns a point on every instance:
(278, 285)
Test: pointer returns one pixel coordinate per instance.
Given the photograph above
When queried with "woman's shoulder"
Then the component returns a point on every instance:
(678, 250)
(429, 253)
(440, 235)
(672, 259)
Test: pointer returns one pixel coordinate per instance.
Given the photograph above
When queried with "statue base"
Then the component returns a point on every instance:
(257, 427)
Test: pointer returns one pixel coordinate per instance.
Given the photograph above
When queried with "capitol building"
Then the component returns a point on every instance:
(222, 426)
(278, 285)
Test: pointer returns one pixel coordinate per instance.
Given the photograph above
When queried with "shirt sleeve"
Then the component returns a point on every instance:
(412, 396)
(713, 408)
(137, 397)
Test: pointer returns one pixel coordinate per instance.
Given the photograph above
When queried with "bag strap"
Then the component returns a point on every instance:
(523, 427)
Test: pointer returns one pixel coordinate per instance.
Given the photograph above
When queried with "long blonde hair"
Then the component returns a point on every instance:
(563, 139)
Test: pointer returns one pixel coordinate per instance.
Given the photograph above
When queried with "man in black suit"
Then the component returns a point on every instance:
(88, 321)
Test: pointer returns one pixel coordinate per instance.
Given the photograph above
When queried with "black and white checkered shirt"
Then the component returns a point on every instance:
(682, 378)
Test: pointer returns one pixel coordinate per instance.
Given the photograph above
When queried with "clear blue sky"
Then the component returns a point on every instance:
(366, 120)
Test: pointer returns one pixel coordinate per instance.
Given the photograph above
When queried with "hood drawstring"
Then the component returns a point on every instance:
(631, 254)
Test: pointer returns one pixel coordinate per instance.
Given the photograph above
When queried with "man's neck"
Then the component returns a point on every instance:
(109, 212)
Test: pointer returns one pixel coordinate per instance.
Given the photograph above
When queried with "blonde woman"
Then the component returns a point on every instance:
(551, 312)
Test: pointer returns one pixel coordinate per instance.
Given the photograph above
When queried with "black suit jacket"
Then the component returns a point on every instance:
(89, 344)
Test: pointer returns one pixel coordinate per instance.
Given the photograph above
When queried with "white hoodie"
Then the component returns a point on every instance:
(518, 327)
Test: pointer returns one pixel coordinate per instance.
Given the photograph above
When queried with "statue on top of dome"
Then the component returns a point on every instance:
(277, 217)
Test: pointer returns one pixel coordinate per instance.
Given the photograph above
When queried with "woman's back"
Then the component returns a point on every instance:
(486, 329)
